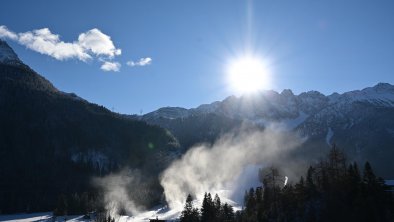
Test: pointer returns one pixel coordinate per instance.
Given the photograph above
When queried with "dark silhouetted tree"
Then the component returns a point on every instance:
(189, 213)
(207, 209)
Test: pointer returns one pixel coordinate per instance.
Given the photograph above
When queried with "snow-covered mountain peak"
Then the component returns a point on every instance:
(270, 105)
(334, 97)
(287, 92)
(168, 113)
(383, 87)
(381, 94)
(208, 108)
(7, 55)
(312, 93)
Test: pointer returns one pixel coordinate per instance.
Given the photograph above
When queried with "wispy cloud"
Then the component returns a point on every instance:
(140, 62)
(5, 33)
(90, 45)
(111, 66)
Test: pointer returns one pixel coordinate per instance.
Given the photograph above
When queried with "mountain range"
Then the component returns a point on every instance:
(361, 122)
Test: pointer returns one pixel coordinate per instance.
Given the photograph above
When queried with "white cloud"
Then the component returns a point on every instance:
(91, 44)
(5, 33)
(140, 62)
(98, 43)
(47, 43)
(111, 66)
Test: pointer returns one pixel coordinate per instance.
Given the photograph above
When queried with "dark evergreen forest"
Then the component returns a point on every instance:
(331, 190)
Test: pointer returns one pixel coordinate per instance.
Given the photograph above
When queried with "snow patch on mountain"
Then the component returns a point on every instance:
(285, 108)
(95, 158)
(329, 136)
(312, 101)
(168, 113)
(208, 108)
(381, 94)
(293, 123)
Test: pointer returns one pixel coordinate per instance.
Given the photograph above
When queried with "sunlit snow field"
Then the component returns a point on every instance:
(39, 217)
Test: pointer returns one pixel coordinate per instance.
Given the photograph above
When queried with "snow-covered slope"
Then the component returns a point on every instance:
(168, 113)
(381, 94)
(41, 217)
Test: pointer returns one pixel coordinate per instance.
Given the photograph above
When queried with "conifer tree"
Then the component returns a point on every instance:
(207, 209)
(310, 184)
(217, 207)
(227, 213)
(189, 213)
(369, 177)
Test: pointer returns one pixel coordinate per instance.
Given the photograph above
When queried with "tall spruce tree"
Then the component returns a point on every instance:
(227, 213)
(217, 208)
(207, 209)
(189, 213)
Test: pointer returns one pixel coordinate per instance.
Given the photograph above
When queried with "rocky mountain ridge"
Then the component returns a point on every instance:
(273, 106)
(359, 121)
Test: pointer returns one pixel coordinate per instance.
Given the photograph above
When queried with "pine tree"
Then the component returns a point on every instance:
(250, 210)
(259, 203)
(369, 177)
(376, 199)
(217, 208)
(337, 163)
(288, 203)
(227, 213)
(300, 196)
(189, 213)
(207, 209)
(310, 184)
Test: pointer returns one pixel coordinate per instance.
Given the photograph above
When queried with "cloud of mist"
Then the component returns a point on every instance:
(217, 167)
(117, 193)
(227, 167)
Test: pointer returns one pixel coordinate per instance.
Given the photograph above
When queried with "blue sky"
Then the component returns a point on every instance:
(329, 46)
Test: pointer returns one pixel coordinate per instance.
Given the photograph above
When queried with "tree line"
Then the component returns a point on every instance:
(211, 210)
(331, 190)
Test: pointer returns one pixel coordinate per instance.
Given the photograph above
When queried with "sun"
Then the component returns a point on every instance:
(248, 75)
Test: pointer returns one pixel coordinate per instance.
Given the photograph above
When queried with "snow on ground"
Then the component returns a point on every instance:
(164, 213)
(40, 217)
(26, 217)
(160, 213)
(231, 194)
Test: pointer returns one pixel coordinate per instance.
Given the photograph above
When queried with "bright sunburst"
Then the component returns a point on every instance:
(248, 75)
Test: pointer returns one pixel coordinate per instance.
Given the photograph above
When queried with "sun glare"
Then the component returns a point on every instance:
(248, 75)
